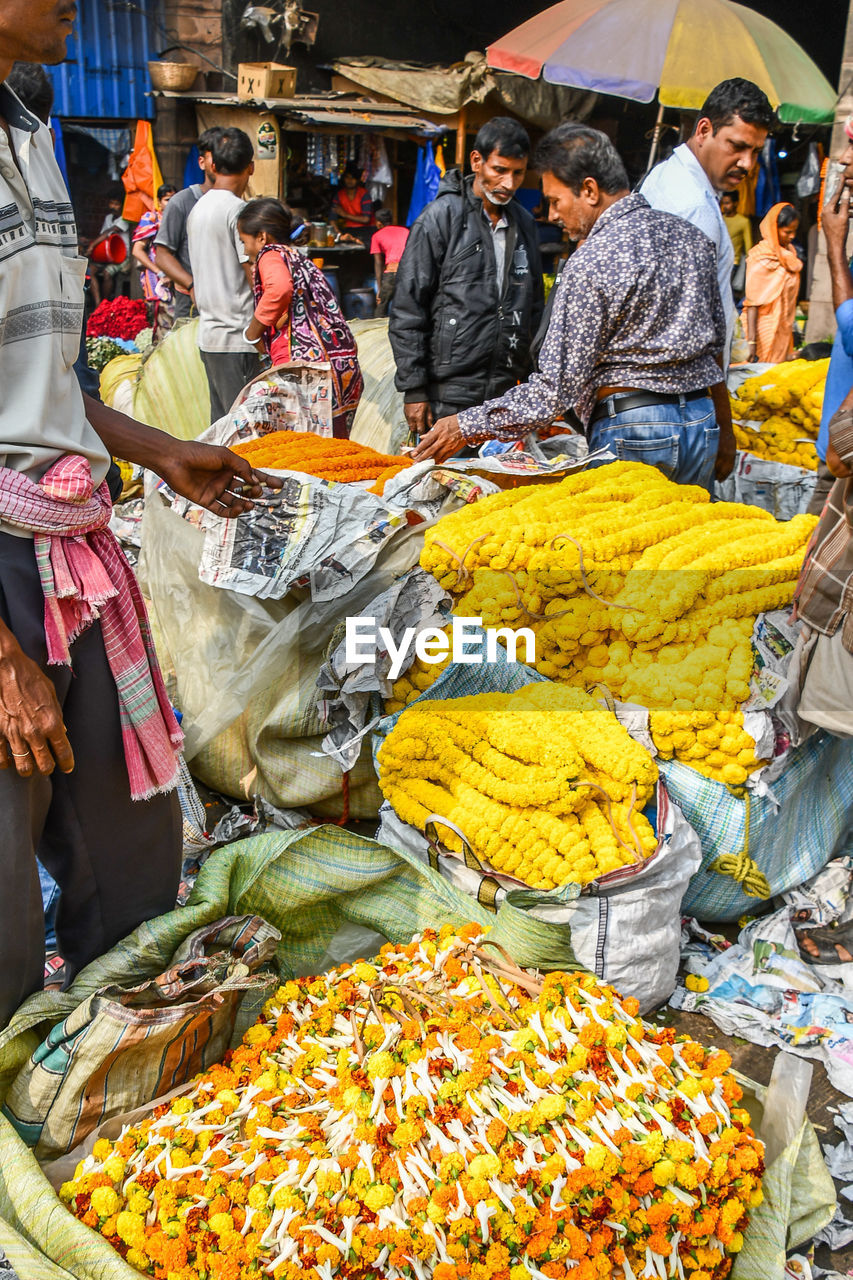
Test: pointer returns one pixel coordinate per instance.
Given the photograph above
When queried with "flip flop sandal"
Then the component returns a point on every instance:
(827, 938)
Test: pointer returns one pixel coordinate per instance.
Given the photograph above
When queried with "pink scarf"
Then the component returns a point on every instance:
(85, 577)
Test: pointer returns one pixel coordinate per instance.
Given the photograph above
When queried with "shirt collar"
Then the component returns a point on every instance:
(17, 116)
(690, 163)
(502, 223)
(629, 204)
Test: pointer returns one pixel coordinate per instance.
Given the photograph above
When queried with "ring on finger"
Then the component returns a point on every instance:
(20, 755)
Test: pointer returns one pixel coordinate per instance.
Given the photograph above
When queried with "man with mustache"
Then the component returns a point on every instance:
(88, 741)
(724, 148)
(469, 294)
(635, 325)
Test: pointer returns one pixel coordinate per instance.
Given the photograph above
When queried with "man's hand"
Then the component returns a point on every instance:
(726, 449)
(32, 734)
(835, 221)
(441, 442)
(419, 417)
(836, 465)
(213, 477)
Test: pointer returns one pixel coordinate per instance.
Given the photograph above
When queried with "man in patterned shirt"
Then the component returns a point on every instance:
(635, 326)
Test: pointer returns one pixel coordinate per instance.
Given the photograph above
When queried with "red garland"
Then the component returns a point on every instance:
(119, 318)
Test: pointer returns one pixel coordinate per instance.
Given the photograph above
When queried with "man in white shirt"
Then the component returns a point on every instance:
(725, 147)
(221, 273)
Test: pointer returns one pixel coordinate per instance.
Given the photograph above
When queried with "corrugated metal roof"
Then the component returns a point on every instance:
(105, 75)
(323, 110)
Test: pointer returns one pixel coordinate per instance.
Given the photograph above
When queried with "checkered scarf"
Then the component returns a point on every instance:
(85, 577)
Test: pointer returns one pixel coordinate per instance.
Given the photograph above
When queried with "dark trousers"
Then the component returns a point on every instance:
(387, 285)
(227, 374)
(116, 861)
(183, 305)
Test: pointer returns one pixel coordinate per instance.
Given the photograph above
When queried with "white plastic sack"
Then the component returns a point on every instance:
(625, 927)
(776, 487)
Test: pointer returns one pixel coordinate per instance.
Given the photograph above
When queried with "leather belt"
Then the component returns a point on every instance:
(641, 400)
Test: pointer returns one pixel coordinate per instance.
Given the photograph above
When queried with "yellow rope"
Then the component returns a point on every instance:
(742, 868)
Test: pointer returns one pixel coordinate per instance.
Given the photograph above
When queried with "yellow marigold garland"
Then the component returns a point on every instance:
(545, 783)
(628, 581)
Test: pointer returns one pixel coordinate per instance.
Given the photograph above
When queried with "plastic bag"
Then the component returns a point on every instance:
(783, 490)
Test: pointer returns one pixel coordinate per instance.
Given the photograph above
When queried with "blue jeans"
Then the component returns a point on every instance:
(680, 439)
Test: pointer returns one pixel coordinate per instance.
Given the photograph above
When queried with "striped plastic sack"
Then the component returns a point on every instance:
(786, 836)
(126, 1044)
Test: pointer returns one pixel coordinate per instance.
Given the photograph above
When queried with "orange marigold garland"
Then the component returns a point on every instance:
(441, 1115)
(302, 451)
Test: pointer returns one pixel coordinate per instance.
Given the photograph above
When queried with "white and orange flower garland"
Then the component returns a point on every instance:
(437, 1116)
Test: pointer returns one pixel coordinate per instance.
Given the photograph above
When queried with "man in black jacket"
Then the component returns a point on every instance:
(469, 292)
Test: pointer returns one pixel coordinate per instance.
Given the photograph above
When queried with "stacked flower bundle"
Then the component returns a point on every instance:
(546, 784)
(440, 1116)
(778, 440)
(341, 460)
(118, 318)
(635, 583)
(787, 401)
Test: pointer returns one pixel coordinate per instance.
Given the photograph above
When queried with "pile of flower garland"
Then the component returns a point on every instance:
(545, 784)
(787, 402)
(631, 582)
(778, 440)
(442, 1115)
(793, 390)
(117, 318)
(302, 451)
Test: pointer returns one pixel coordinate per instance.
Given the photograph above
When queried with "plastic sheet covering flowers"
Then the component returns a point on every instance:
(439, 1115)
(341, 460)
(634, 583)
(546, 785)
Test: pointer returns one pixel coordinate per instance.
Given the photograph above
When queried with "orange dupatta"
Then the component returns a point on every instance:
(772, 287)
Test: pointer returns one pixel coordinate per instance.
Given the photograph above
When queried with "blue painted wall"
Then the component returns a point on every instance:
(105, 75)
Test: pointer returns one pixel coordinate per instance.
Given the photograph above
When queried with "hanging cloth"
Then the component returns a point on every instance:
(419, 199)
(142, 177)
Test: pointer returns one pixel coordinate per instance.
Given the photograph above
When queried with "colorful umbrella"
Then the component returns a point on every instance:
(677, 48)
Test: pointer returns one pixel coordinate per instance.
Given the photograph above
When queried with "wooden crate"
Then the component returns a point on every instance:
(265, 80)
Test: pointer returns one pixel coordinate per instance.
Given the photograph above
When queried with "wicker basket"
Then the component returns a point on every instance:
(177, 77)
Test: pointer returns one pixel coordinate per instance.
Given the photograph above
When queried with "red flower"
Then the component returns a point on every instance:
(118, 318)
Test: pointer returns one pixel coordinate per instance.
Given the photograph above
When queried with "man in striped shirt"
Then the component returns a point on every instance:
(823, 659)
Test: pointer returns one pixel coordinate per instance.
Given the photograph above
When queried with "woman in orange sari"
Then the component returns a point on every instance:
(772, 286)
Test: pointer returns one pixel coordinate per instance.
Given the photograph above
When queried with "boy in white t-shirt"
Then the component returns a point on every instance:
(222, 274)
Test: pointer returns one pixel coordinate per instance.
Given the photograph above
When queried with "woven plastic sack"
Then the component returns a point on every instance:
(379, 420)
(172, 392)
(624, 927)
(790, 833)
(783, 490)
(126, 1044)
